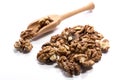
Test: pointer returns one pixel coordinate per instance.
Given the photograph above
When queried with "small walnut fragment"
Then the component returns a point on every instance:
(75, 49)
(104, 45)
(23, 45)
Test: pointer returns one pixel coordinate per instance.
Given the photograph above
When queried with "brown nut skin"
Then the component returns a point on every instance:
(27, 34)
(71, 67)
(23, 46)
(105, 45)
(75, 50)
(46, 55)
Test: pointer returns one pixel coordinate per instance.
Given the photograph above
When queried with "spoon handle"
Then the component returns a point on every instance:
(89, 6)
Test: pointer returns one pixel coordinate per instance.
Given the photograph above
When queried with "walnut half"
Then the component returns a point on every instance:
(104, 45)
(23, 46)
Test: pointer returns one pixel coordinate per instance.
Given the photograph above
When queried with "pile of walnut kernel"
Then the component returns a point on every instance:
(75, 49)
(24, 45)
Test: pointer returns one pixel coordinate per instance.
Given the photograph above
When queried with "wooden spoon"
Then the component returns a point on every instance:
(56, 20)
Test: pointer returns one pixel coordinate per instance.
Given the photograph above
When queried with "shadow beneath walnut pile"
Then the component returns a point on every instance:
(50, 63)
(16, 51)
(86, 69)
(66, 74)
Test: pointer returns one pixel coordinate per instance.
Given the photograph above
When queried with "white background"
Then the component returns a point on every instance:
(15, 15)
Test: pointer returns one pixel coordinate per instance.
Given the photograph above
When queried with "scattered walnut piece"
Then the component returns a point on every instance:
(105, 45)
(75, 49)
(23, 45)
(27, 34)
